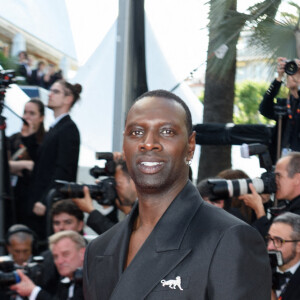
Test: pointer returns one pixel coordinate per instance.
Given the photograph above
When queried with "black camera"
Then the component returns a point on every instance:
(104, 191)
(6, 78)
(291, 67)
(9, 276)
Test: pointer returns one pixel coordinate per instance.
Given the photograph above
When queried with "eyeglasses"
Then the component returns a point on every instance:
(54, 91)
(278, 242)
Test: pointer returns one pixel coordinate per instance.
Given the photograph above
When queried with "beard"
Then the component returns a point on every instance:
(290, 257)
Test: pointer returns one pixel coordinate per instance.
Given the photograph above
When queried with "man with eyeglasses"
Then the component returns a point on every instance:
(284, 236)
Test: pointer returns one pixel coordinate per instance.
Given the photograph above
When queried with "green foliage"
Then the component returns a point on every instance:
(7, 63)
(248, 95)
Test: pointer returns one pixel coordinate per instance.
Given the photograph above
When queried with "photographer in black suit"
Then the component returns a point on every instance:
(57, 157)
(68, 249)
(289, 108)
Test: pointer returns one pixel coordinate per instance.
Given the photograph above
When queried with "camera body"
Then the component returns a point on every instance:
(104, 191)
(9, 276)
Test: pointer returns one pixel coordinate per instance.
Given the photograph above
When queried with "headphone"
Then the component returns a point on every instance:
(22, 228)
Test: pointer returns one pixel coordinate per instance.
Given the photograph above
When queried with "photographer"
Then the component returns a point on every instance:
(68, 249)
(100, 222)
(284, 236)
(289, 108)
(287, 172)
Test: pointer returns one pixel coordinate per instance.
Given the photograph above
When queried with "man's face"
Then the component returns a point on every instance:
(285, 184)
(31, 113)
(156, 145)
(57, 98)
(290, 251)
(67, 257)
(64, 221)
(20, 250)
(125, 187)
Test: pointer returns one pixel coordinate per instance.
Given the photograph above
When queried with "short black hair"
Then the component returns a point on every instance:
(66, 206)
(170, 96)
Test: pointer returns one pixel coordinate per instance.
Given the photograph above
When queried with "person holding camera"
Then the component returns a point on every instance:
(68, 249)
(287, 176)
(287, 110)
(284, 237)
(100, 221)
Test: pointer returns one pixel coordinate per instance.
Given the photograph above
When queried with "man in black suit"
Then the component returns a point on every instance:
(173, 245)
(284, 236)
(68, 249)
(57, 157)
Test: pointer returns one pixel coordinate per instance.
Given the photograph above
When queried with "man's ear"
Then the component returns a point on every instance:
(81, 252)
(191, 145)
(69, 99)
(81, 225)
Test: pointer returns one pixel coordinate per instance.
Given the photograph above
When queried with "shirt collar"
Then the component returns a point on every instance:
(58, 119)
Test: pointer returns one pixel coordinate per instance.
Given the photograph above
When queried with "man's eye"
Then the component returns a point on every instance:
(167, 131)
(137, 132)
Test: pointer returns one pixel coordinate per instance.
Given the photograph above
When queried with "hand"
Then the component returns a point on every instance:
(39, 209)
(281, 61)
(25, 287)
(85, 204)
(254, 201)
(16, 167)
(117, 156)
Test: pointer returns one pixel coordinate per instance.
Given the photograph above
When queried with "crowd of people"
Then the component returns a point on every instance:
(43, 75)
(177, 241)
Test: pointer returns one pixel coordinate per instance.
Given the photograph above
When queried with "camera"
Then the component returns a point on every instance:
(104, 191)
(6, 77)
(276, 260)
(9, 276)
(291, 67)
(222, 188)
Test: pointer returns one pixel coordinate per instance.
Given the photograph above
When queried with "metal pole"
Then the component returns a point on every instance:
(121, 103)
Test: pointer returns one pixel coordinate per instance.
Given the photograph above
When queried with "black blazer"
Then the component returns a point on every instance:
(215, 255)
(56, 158)
(292, 291)
(62, 293)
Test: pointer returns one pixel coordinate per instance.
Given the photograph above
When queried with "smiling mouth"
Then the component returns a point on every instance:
(150, 167)
(151, 163)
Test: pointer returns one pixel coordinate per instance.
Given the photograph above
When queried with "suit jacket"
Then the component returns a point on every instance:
(263, 224)
(56, 158)
(290, 132)
(62, 293)
(292, 291)
(215, 255)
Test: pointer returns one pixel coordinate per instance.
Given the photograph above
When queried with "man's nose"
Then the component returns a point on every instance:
(271, 246)
(150, 142)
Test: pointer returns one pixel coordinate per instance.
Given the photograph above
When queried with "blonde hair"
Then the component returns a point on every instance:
(70, 234)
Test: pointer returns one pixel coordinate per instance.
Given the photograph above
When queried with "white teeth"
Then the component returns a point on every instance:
(150, 164)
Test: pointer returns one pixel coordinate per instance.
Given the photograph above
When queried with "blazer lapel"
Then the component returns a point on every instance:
(162, 251)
